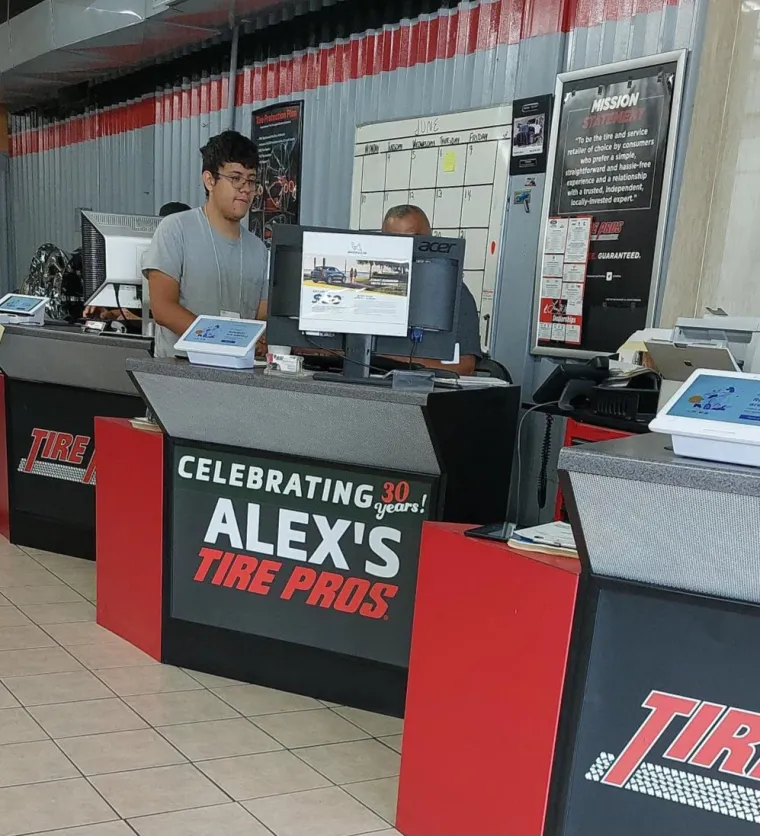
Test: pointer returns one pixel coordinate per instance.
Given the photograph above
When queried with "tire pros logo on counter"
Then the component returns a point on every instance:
(297, 550)
(712, 735)
(60, 455)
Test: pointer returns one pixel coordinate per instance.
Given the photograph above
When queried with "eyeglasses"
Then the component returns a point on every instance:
(239, 182)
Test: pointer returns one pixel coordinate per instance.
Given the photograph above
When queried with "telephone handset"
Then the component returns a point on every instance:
(553, 388)
(552, 391)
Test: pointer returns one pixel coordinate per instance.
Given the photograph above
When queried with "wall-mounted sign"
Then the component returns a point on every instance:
(277, 131)
(611, 161)
(296, 551)
(531, 119)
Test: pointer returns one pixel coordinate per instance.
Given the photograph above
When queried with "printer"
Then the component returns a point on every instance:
(740, 334)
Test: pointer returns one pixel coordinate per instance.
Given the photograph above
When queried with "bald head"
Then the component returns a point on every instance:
(406, 220)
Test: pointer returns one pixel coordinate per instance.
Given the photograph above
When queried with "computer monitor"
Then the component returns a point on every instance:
(113, 246)
(433, 305)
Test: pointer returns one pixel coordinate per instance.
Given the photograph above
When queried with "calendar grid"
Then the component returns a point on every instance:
(456, 168)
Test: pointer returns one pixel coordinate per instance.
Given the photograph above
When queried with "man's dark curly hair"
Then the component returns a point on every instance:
(229, 147)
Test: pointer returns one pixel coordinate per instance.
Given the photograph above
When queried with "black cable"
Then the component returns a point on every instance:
(519, 452)
(342, 356)
(546, 449)
(118, 303)
(411, 355)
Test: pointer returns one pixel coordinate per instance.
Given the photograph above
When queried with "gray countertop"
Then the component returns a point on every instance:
(64, 355)
(650, 458)
(247, 377)
(74, 333)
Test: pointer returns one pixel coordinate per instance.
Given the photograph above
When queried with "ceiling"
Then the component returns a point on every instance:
(59, 43)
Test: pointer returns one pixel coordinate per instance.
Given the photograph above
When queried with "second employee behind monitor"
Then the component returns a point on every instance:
(411, 220)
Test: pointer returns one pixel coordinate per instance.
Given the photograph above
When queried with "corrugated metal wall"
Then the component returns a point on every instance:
(135, 156)
(5, 232)
(140, 155)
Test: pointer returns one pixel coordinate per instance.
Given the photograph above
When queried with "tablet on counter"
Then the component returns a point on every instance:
(222, 341)
(21, 305)
(715, 415)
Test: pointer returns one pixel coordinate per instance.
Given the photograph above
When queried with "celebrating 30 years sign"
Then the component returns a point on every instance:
(313, 555)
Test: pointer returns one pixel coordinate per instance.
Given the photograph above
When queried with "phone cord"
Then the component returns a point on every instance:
(546, 449)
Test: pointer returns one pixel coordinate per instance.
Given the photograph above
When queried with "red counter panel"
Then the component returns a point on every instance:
(129, 532)
(490, 644)
(5, 514)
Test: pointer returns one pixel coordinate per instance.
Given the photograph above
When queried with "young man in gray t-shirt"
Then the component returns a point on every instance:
(203, 261)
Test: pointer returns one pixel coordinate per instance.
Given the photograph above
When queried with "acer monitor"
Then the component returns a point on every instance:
(434, 296)
(113, 245)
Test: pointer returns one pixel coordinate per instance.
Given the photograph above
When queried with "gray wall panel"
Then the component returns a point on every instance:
(5, 254)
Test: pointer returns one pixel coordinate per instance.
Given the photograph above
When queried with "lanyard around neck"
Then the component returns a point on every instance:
(218, 266)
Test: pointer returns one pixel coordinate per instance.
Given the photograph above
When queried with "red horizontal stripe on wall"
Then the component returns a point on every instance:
(444, 35)
(584, 13)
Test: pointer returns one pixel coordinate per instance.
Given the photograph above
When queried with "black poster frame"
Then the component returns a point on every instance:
(535, 107)
(266, 136)
(601, 79)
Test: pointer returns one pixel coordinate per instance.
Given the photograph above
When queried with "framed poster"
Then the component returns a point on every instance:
(611, 161)
(530, 135)
(277, 131)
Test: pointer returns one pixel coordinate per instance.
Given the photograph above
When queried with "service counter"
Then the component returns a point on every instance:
(55, 380)
(286, 539)
(662, 720)
(659, 713)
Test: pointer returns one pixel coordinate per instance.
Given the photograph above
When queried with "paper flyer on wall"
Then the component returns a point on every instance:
(356, 284)
(565, 262)
(553, 265)
(556, 235)
(578, 240)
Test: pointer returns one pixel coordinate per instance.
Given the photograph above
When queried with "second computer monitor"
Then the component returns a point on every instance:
(434, 294)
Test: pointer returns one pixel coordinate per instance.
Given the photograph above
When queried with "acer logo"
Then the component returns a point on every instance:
(59, 455)
(436, 247)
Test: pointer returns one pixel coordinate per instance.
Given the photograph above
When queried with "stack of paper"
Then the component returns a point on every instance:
(552, 538)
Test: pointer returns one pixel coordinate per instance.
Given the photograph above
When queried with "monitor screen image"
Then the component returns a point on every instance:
(19, 304)
(732, 400)
(353, 283)
(236, 334)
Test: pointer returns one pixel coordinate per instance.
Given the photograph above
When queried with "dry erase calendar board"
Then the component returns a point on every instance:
(455, 166)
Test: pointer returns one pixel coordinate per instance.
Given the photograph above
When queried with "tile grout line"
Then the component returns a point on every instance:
(337, 787)
(58, 577)
(89, 783)
(187, 760)
(58, 747)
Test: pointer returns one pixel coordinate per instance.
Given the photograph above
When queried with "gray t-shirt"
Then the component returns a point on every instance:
(208, 268)
(468, 333)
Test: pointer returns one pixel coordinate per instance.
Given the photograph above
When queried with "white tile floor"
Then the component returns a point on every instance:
(96, 739)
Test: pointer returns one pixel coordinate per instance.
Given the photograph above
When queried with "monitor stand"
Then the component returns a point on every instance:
(357, 359)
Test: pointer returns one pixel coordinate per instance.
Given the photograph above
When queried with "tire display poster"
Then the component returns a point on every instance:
(309, 554)
(610, 165)
(668, 738)
(530, 135)
(277, 131)
(563, 279)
